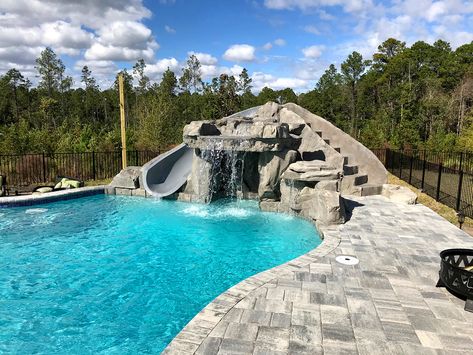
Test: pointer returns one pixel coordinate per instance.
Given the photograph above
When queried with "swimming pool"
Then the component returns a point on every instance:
(118, 274)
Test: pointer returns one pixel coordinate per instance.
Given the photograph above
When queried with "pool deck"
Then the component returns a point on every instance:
(387, 304)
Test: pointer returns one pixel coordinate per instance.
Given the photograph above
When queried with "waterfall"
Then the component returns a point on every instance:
(226, 170)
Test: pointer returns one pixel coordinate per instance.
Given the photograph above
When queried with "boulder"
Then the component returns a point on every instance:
(271, 165)
(128, 178)
(270, 131)
(312, 175)
(320, 175)
(199, 182)
(312, 165)
(268, 112)
(290, 191)
(295, 122)
(326, 207)
(400, 194)
(330, 185)
(193, 129)
(311, 141)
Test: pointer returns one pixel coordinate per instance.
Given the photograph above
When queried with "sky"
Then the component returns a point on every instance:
(282, 43)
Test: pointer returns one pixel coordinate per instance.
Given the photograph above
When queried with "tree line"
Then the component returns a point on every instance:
(416, 97)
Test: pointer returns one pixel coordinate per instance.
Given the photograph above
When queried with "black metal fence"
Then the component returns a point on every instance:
(445, 176)
(32, 169)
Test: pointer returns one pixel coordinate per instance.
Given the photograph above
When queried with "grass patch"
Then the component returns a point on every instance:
(97, 182)
(446, 212)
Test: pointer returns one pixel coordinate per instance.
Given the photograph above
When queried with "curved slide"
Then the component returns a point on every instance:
(165, 174)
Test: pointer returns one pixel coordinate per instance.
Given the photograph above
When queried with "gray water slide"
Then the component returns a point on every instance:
(166, 173)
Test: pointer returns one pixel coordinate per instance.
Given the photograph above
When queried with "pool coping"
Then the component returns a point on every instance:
(30, 200)
(193, 334)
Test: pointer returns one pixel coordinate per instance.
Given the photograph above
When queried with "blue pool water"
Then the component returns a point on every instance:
(123, 275)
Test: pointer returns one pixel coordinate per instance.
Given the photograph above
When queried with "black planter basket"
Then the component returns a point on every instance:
(453, 275)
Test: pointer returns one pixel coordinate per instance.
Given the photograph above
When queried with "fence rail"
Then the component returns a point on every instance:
(33, 169)
(445, 176)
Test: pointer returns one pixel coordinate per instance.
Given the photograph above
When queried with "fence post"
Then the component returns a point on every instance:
(461, 161)
(400, 164)
(439, 180)
(410, 168)
(459, 192)
(391, 154)
(94, 171)
(44, 168)
(136, 158)
(423, 172)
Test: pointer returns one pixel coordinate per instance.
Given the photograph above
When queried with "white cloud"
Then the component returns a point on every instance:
(93, 14)
(100, 30)
(280, 42)
(62, 36)
(169, 29)
(240, 53)
(130, 34)
(98, 66)
(437, 9)
(99, 51)
(22, 55)
(311, 29)
(260, 80)
(348, 5)
(123, 40)
(209, 71)
(313, 51)
(204, 58)
(155, 70)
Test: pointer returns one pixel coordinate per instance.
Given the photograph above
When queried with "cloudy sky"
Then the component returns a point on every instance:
(283, 43)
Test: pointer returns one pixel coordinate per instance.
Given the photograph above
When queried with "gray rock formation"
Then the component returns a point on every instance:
(199, 183)
(324, 206)
(399, 194)
(270, 167)
(128, 178)
(286, 157)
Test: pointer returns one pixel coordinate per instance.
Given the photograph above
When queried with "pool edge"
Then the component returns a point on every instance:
(193, 334)
(55, 196)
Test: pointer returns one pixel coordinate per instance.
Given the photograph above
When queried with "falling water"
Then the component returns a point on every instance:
(226, 169)
(293, 192)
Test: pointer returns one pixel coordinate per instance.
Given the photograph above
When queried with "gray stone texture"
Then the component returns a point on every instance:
(271, 166)
(128, 178)
(399, 194)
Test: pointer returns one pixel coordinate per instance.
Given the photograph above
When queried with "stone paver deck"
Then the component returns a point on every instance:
(387, 304)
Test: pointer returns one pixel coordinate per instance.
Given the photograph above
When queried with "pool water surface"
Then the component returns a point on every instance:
(114, 274)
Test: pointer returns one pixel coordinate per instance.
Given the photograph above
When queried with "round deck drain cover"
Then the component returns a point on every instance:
(347, 260)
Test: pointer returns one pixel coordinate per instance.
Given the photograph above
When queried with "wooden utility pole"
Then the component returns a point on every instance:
(122, 119)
